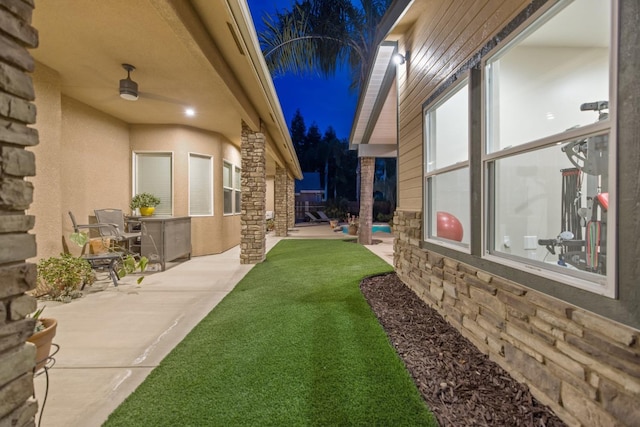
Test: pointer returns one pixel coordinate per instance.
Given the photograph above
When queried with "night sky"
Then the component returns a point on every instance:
(327, 102)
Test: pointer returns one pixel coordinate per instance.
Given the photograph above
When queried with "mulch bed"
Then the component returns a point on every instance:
(460, 384)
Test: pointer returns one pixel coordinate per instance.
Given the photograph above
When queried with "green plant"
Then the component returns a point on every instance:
(130, 264)
(144, 200)
(62, 277)
(271, 224)
(39, 325)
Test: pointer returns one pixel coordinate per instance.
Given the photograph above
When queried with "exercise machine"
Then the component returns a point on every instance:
(582, 242)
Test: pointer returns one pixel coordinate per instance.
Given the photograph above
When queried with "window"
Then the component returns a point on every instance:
(237, 188)
(153, 173)
(447, 168)
(227, 184)
(548, 151)
(200, 185)
(232, 188)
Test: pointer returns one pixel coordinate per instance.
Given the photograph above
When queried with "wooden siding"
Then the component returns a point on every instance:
(442, 39)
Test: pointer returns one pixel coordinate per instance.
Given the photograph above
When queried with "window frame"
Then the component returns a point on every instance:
(428, 175)
(603, 285)
(237, 190)
(134, 174)
(210, 183)
(225, 188)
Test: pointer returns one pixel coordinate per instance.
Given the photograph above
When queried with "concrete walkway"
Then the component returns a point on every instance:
(112, 338)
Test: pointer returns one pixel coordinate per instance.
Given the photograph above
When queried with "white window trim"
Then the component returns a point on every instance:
(237, 170)
(601, 285)
(441, 99)
(224, 187)
(211, 178)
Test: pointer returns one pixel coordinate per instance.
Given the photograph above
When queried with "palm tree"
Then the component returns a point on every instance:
(320, 36)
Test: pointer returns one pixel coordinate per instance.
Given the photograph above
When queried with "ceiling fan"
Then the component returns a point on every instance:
(129, 91)
(128, 88)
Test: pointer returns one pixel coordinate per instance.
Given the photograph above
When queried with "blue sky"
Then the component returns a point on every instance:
(327, 102)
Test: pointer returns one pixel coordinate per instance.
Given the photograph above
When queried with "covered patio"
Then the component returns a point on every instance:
(202, 127)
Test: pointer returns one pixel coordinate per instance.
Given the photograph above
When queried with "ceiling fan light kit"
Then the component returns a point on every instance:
(128, 88)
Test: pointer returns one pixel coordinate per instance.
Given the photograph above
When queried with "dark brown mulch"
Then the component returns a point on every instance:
(459, 383)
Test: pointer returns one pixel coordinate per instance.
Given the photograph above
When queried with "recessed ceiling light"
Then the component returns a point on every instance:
(190, 112)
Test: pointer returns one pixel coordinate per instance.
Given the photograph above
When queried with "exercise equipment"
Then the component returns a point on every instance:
(449, 227)
(582, 242)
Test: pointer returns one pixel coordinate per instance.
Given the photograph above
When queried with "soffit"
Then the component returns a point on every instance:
(183, 58)
(375, 104)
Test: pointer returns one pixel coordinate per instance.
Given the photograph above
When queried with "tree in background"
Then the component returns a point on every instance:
(327, 155)
(319, 36)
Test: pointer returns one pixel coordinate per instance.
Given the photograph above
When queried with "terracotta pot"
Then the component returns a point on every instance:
(148, 211)
(353, 230)
(42, 341)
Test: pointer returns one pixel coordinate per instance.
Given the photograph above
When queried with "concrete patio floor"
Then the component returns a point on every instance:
(112, 338)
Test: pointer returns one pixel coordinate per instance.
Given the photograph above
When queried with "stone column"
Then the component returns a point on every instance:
(291, 201)
(253, 197)
(17, 358)
(281, 202)
(367, 169)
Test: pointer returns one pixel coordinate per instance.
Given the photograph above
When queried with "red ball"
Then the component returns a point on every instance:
(449, 227)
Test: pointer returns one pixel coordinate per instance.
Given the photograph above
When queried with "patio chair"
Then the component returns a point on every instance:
(112, 226)
(108, 261)
(323, 216)
(312, 217)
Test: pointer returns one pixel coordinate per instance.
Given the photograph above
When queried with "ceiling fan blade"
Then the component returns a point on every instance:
(161, 98)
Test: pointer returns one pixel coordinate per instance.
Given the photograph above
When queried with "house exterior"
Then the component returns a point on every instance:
(515, 124)
(98, 149)
(61, 107)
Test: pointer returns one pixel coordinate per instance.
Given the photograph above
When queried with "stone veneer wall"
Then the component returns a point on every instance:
(585, 367)
(17, 358)
(281, 220)
(291, 201)
(253, 196)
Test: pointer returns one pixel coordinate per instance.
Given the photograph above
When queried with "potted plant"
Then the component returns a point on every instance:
(353, 223)
(61, 278)
(145, 202)
(43, 333)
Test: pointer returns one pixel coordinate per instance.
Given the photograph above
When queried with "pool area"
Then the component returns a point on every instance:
(375, 228)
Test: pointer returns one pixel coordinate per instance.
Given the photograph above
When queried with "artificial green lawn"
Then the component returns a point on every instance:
(295, 343)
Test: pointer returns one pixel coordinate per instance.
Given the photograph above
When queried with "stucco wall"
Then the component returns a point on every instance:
(271, 193)
(78, 169)
(212, 234)
(47, 198)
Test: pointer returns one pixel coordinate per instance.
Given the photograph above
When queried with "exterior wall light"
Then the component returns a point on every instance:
(398, 58)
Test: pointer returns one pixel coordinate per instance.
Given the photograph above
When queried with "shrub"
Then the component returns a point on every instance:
(61, 278)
